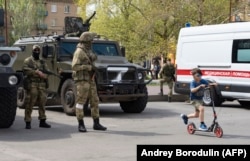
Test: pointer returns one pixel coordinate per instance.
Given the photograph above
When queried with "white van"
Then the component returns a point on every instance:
(222, 52)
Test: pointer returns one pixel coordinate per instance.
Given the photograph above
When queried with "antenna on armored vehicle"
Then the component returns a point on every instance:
(75, 26)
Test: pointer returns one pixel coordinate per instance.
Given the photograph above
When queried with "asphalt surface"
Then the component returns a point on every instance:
(160, 123)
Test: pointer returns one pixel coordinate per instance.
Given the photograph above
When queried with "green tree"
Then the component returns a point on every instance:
(149, 28)
(24, 16)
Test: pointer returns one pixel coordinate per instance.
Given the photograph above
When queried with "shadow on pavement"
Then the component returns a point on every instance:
(18, 133)
(114, 111)
(135, 133)
(228, 136)
(225, 136)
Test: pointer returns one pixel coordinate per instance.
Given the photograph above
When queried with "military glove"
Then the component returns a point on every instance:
(41, 74)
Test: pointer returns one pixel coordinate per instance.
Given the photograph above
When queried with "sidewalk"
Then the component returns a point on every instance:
(154, 89)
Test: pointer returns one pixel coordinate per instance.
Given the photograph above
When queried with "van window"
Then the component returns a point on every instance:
(241, 51)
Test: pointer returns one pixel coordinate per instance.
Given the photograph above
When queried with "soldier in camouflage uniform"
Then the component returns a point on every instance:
(167, 72)
(83, 75)
(35, 86)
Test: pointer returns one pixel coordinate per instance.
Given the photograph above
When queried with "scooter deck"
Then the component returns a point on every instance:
(203, 130)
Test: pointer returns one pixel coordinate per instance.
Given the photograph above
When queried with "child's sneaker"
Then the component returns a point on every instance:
(184, 118)
(203, 127)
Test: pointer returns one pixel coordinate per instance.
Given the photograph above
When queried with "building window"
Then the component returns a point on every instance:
(53, 8)
(53, 22)
(66, 9)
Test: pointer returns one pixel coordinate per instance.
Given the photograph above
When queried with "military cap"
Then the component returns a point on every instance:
(87, 36)
(36, 47)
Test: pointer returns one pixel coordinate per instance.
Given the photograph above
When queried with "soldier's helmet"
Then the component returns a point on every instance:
(87, 37)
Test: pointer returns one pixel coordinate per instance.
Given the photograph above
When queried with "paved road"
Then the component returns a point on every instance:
(158, 124)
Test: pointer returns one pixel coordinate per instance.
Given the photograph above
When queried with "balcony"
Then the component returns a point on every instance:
(42, 26)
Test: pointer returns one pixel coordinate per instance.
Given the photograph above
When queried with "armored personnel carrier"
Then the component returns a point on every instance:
(9, 82)
(117, 79)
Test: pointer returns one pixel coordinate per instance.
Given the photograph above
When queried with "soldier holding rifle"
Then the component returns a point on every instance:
(83, 75)
(35, 84)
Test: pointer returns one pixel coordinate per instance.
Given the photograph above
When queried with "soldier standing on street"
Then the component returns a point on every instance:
(167, 72)
(35, 85)
(83, 75)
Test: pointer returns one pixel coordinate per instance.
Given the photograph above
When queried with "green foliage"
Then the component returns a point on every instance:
(24, 16)
(148, 28)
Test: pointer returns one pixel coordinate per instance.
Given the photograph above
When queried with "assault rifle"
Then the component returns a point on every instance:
(44, 70)
(50, 73)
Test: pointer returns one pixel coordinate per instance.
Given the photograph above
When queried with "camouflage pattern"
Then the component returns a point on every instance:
(37, 91)
(170, 84)
(87, 37)
(36, 46)
(85, 90)
(167, 72)
(83, 75)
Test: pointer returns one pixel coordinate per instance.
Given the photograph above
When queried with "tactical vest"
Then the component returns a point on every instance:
(83, 74)
(168, 70)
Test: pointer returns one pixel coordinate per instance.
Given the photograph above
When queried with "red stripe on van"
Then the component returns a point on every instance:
(219, 73)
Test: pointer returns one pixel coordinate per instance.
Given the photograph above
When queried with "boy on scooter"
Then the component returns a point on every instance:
(197, 87)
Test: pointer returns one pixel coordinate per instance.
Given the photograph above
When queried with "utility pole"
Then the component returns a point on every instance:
(230, 10)
(6, 23)
(246, 11)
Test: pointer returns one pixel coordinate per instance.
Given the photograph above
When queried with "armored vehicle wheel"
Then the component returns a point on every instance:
(68, 96)
(136, 106)
(8, 105)
(21, 94)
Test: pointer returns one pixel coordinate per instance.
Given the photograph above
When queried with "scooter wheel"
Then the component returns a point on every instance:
(191, 128)
(218, 132)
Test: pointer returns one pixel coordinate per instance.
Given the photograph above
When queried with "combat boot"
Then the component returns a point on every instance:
(98, 126)
(169, 99)
(28, 125)
(44, 124)
(81, 126)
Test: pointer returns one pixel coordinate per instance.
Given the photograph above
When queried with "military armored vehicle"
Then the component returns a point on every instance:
(117, 79)
(9, 82)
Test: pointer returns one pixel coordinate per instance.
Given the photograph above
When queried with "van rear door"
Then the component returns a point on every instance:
(241, 67)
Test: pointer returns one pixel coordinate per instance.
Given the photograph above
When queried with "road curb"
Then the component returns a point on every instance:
(175, 98)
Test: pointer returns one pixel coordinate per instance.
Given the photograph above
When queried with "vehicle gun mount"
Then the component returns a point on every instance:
(75, 26)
